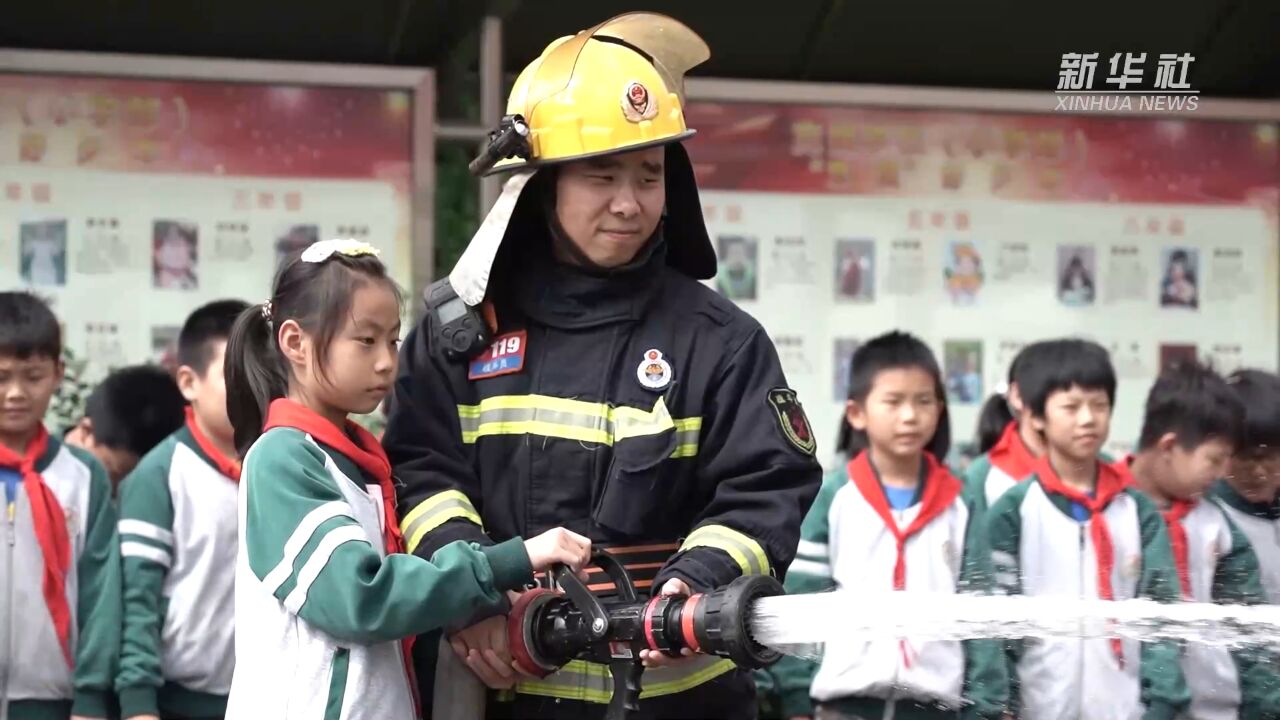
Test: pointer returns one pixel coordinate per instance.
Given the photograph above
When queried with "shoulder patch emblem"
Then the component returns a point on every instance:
(792, 420)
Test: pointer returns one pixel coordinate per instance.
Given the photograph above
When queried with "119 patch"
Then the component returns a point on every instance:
(504, 357)
(791, 417)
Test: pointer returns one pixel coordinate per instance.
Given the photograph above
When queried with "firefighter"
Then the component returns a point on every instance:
(572, 370)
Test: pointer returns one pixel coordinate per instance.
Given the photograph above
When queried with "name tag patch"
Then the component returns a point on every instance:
(504, 357)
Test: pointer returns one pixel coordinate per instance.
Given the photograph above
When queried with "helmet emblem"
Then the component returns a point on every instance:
(637, 103)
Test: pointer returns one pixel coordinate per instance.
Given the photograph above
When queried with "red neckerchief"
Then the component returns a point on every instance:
(1011, 455)
(369, 457)
(223, 464)
(50, 527)
(941, 489)
(1173, 517)
(1111, 482)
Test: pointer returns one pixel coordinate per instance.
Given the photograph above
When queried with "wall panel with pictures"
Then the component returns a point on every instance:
(131, 196)
(981, 232)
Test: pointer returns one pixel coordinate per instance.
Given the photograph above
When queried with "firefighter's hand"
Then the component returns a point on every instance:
(483, 647)
(558, 546)
(653, 658)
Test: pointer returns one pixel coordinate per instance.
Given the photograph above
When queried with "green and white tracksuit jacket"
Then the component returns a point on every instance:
(1219, 566)
(1260, 523)
(35, 680)
(178, 548)
(320, 606)
(1039, 548)
(846, 544)
(993, 473)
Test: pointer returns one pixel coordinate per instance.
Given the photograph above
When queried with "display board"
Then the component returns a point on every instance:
(128, 202)
(981, 232)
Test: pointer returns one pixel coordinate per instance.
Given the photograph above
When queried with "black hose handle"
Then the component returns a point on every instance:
(625, 703)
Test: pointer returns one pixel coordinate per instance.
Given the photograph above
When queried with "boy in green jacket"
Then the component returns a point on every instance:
(178, 541)
(1077, 529)
(61, 567)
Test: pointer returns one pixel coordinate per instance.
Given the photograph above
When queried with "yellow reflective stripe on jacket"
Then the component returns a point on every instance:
(434, 512)
(592, 682)
(687, 432)
(574, 420)
(748, 553)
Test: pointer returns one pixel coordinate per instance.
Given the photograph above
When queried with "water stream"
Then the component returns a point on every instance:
(796, 623)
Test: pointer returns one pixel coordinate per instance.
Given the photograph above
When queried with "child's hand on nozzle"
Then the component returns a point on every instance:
(558, 546)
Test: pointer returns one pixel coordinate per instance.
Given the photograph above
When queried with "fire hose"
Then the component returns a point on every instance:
(547, 629)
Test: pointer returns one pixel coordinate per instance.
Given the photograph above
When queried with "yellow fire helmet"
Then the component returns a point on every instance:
(614, 88)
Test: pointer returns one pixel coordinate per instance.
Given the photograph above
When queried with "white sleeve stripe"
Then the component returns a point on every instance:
(812, 549)
(318, 560)
(1003, 559)
(811, 568)
(146, 552)
(150, 531)
(301, 534)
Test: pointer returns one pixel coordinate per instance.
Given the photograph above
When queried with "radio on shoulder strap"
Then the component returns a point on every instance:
(456, 327)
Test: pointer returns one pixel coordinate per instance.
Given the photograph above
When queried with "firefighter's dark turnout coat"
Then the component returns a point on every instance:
(636, 407)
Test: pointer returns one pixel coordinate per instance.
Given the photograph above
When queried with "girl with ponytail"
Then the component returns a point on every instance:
(326, 599)
(1008, 442)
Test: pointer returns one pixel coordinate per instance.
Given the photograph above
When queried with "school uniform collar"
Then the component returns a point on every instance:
(191, 436)
(53, 447)
(937, 491)
(1011, 455)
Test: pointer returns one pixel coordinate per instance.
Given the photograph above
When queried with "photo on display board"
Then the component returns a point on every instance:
(963, 271)
(1175, 354)
(174, 255)
(1179, 278)
(1077, 274)
(164, 346)
(962, 365)
(856, 270)
(738, 266)
(43, 252)
(293, 239)
(842, 361)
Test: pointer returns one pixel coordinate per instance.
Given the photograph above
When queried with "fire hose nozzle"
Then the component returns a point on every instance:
(722, 621)
(546, 629)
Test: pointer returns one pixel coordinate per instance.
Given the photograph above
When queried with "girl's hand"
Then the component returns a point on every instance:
(558, 546)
